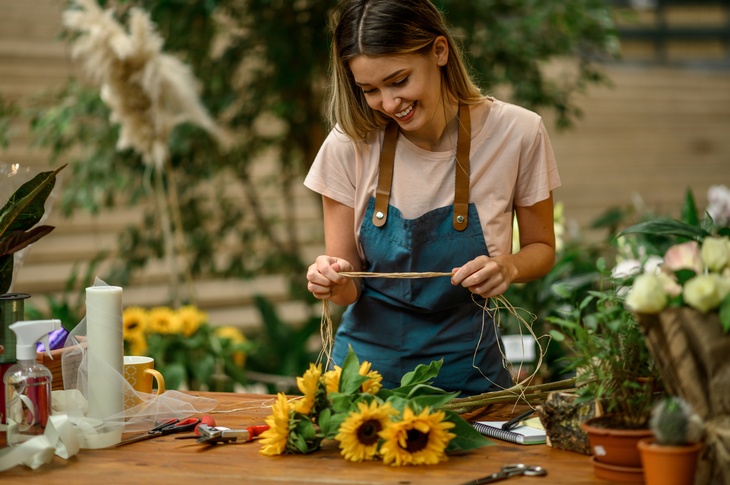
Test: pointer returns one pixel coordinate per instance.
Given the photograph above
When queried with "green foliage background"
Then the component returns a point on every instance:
(264, 60)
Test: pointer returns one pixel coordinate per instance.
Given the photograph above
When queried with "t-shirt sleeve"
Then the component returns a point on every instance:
(538, 172)
(333, 171)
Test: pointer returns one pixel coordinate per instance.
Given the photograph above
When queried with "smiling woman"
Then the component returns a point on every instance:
(423, 173)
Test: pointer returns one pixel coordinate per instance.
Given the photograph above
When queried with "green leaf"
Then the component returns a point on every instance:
(350, 379)
(174, 375)
(667, 227)
(689, 210)
(6, 272)
(422, 374)
(25, 207)
(17, 240)
(467, 438)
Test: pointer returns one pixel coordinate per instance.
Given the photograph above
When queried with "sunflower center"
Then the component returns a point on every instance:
(416, 441)
(367, 433)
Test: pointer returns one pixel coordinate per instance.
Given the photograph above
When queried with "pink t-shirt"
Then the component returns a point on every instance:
(511, 158)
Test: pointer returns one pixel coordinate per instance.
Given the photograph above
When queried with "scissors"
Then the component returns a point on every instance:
(509, 471)
(168, 427)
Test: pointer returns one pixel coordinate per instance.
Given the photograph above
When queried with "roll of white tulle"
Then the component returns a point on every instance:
(105, 352)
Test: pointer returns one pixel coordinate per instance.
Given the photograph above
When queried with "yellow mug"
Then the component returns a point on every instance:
(139, 372)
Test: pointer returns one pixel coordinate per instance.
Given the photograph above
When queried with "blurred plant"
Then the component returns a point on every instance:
(70, 306)
(262, 69)
(281, 349)
(187, 349)
(608, 354)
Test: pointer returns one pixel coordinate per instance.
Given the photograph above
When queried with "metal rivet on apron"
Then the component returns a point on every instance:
(460, 219)
(379, 215)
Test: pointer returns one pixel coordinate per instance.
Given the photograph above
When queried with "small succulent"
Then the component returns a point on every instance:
(674, 423)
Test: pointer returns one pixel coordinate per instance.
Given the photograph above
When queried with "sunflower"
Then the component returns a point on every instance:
(164, 321)
(235, 337)
(190, 319)
(308, 385)
(358, 433)
(135, 321)
(416, 439)
(332, 379)
(371, 386)
(274, 440)
(137, 344)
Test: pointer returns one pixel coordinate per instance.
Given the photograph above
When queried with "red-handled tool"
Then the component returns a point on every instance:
(212, 435)
(168, 427)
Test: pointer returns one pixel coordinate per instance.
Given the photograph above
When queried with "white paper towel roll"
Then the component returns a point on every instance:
(105, 337)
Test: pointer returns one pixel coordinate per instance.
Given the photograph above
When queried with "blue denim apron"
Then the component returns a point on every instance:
(397, 324)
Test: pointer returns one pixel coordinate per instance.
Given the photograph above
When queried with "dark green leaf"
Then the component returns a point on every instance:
(467, 438)
(689, 210)
(6, 272)
(17, 240)
(667, 227)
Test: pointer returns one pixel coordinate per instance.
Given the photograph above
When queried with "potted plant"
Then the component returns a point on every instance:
(615, 370)
(670, 457)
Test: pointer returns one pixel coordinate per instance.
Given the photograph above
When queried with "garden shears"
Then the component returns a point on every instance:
(509, 471)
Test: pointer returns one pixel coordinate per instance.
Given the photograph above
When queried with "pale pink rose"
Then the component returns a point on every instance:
(684, 256)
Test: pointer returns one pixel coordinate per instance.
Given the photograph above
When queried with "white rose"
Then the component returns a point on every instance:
(723, 285)
(703, 292)
(715, 253)
(647, 294)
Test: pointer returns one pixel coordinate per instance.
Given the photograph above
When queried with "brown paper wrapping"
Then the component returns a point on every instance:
(692, 353)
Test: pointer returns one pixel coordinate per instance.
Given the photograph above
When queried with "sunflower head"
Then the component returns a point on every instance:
(275, 439)
(417, 439)
(135, 321)
(374, 382)
(309, 385)
(359, 433)
(163, 321)
(190, 319)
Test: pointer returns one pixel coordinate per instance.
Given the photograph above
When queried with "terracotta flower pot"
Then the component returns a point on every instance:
(669, 465)
(614, 446)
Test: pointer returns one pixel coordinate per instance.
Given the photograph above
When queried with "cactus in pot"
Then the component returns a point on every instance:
(674, 423)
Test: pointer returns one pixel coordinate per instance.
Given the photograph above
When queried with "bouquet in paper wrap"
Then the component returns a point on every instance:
(683, 306)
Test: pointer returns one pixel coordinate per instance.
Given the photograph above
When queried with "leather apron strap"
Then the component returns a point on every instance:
(462, 172)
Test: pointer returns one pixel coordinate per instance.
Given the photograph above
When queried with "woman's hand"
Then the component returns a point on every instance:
(485, 276)
(324, 280)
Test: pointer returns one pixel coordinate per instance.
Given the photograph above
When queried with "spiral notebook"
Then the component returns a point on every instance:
(522, 435)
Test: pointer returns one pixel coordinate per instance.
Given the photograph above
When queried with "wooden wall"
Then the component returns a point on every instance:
(656, 132)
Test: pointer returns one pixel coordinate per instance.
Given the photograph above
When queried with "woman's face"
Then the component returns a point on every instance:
(406, 88)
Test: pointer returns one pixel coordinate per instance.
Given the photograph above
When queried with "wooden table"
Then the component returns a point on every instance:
(166, 460)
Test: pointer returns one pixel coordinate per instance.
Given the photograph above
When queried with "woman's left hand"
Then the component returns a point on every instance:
(485, 276)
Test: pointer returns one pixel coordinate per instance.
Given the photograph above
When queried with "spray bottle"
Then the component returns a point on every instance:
(28, 383)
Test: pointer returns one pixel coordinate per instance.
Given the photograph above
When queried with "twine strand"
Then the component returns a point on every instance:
(497, 303)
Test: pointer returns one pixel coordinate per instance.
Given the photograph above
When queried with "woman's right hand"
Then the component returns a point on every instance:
(324, 280)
